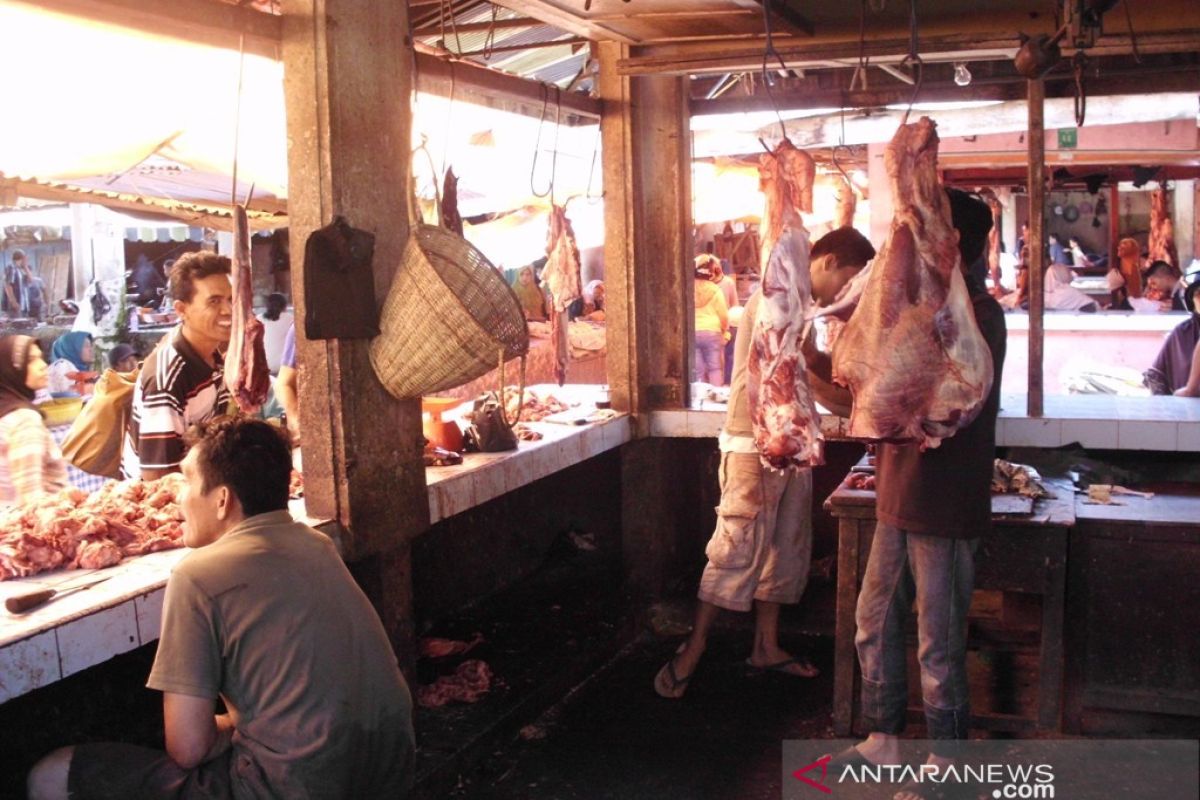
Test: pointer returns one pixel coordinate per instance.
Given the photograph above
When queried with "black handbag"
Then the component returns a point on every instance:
(489, 431)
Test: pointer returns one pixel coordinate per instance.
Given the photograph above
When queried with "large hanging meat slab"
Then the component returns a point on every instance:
(786, 427)
(912, 354)
(246, 372)
(562, 280)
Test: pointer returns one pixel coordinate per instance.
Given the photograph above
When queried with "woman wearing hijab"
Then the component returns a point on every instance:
(71, 364)
(533, 299)
(30, 462)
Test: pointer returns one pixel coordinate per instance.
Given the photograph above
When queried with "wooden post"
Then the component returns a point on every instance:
(1114, 226)
(347, 84)
(648, 236)
(648, 271)
(1037, 241)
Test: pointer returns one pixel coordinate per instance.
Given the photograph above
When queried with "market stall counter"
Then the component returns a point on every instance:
(1025, 553)
(78, 630)
(1133, 611)
(567, 438)
(1101, 421)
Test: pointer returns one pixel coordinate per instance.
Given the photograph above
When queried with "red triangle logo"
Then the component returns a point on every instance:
(823, 763)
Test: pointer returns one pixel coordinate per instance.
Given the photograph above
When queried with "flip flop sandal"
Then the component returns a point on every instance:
(782, 666)
(850, 757)
(669, 685)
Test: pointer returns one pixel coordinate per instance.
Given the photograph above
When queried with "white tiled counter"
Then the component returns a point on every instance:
(486, 476)
(1095, 421)
(77, 631)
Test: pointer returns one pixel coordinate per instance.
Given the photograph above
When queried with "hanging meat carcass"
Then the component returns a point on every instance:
(993, 243)
(786, 426)
(912, 354)
(451, 219)
(246, 372)
(561, 279)
(1162, 229)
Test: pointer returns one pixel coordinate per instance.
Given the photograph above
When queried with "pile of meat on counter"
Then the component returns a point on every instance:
(73, 529)
(537, 406)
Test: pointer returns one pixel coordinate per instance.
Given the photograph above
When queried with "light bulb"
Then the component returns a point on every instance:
(962, 75)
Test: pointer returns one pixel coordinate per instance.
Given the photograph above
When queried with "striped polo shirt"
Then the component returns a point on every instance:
(176, 390)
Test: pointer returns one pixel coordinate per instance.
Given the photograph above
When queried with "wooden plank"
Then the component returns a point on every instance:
(1157, 701)
(199, 21)
(812, 95)
(1052, 651)
(200, 216)
(477, 27)
(348, 82)
(735, 55)
(845, 658)
(552, 14)
(475, 84)
(1114, 225)
(1037, 236)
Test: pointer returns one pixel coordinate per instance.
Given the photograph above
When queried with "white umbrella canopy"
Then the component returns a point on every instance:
(86, 99)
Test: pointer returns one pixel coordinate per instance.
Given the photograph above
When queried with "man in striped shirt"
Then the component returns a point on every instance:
(181, 383)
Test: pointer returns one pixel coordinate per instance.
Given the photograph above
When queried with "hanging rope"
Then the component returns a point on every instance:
(490, 40)
(860, 72)
(1137, 57)
(587, 193)
(537, 146)
(237, 117)
(449, 118)
(913, 58)
(1078, 66)
(766, 73)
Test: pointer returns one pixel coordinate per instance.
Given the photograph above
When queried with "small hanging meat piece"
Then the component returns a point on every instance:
(451, 219)
(1162, 229)
(847, 204)
(784, 418)
(247, 375)
(561, 278)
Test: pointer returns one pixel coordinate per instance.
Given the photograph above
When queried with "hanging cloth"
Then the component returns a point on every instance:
(339, 283)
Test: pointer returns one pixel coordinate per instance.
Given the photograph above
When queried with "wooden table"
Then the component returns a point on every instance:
(1134, 611)
(1026, 553)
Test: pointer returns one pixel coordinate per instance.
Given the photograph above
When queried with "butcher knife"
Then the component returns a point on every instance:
(21, 603)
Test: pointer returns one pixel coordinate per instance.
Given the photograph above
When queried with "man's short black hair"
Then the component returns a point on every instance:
(972, 219)
(192, 267)
(251, 457)
(1162, 267)
(853, 249)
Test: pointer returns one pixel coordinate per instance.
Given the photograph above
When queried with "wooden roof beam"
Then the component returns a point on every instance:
(199, 21)
(552, 14)
(476, 84)
(782, 11)
(700, 58)
(941, 89)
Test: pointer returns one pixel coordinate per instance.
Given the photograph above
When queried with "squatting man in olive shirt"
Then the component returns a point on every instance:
(264, 616)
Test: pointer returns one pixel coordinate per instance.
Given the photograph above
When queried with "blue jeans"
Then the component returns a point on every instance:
(709, 357)
(939, 574)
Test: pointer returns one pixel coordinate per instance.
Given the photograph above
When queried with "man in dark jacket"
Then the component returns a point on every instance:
(931, 506)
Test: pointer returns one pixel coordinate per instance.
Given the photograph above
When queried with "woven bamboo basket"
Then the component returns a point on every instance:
(448, 318)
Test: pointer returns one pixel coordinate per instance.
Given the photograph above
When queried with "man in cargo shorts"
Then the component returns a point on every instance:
(770, 568)
(263, 615)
